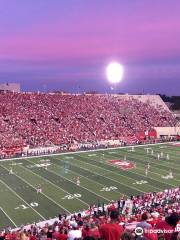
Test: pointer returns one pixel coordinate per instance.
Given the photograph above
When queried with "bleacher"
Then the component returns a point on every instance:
(39, 119)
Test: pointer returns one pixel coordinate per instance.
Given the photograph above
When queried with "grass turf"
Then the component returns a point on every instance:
(100, 182)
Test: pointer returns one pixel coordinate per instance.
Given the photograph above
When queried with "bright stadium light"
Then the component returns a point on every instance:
(114, 72)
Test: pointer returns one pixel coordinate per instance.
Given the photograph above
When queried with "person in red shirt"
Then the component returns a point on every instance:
(112, 230)
(168, 225)
(62, 235)
(86, 231)
(95, 231)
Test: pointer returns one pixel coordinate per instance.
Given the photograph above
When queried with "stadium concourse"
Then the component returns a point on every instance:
(46, 119)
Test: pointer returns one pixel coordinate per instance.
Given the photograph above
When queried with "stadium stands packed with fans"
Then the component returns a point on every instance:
(156, 213)
(44, 119)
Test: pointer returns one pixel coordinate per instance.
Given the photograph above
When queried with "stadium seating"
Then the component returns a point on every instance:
(157, 213)
(39, 119)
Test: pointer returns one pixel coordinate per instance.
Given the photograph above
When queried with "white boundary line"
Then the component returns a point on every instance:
(8, 216)
(45, 179)
(158, 162)
(77, 152)
(102, 175)
(107, 170)
(129, 171)
(56, 154)
(87, 178)
(144, 162)
(22, 179)
(78, 186)
(22, 199)
(110, 178)
(82, 177)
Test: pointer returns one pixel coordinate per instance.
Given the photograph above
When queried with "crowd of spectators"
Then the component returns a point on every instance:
(156, 214)
(46, 119)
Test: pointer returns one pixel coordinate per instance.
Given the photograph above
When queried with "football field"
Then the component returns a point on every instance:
(104, 175)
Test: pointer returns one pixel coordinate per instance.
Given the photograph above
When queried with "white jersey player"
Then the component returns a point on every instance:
(170, 174)
(152, 152)
(158, 156)
(167, 157)
(78, 181)
(162, 154)
(146, 171)
(10, 171)
(125, 158)
(39, 189)
(148, 166)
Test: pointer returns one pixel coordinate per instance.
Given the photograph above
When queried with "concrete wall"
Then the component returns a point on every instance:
(167, 131)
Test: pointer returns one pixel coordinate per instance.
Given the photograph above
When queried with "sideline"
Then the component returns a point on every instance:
(91, 150)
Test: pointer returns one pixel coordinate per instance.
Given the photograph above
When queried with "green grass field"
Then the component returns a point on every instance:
(99, 181)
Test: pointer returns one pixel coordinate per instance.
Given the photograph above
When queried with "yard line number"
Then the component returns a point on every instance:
(108, 189)
(24, 207)
(72, 196)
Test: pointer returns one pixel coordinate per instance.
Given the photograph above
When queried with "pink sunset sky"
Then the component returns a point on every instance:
(67, 44)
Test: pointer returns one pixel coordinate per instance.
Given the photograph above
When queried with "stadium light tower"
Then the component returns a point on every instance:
(114, 72)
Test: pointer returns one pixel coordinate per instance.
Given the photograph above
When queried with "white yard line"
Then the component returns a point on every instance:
(40, 193)
(79, 185)
(146, 161)
(89, 179)
(130, 177)
(45, 179)
(156, 161)
(22, 199)
(115, 174)
(77, 152)
(8, 217)
(109, 177)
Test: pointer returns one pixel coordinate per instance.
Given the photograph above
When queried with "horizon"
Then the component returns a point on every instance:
(67, 45)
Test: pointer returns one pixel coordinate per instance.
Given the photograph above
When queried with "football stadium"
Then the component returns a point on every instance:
(85, 160)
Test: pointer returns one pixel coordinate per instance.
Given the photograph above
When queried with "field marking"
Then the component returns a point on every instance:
(79, 185)
(8, 216)
(88, 178)
(103, 175)
(153, 162)
(132, 187)
(22, 199)
(155, 173)
(91, 150)
(133, 171)
(117, 174)
(140, 175)
(159, 163)
(45, 179)
(36, 189)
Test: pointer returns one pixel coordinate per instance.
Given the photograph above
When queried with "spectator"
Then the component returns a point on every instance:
(112, 230)
(167, 226)
(143, 224)
(74, 233)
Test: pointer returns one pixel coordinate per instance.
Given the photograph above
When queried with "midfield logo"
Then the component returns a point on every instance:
(122, 164)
